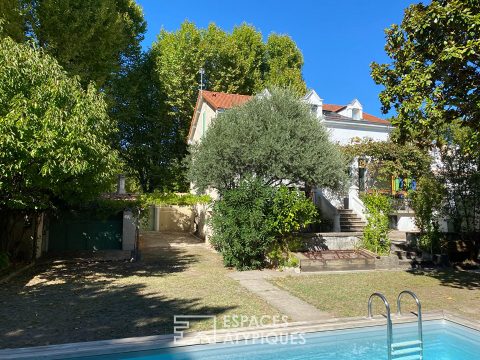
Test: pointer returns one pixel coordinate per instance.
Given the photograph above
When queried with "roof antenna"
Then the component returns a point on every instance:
(202, 72)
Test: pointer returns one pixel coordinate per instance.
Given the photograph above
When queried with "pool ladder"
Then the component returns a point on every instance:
(406, 350)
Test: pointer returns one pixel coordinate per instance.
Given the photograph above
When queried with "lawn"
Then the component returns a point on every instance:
(60, 302)
(346, 295)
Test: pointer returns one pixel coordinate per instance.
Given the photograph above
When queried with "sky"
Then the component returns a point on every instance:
(338, 39)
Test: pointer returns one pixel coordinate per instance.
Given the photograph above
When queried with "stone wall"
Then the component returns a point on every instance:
(330, 241)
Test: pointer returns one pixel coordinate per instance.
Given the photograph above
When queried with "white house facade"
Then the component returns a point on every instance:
(344, 123)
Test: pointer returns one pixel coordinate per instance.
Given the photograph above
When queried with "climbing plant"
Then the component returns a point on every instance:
(375, 234)
(384, 159)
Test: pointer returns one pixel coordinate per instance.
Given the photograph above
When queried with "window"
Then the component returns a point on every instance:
(356, 114)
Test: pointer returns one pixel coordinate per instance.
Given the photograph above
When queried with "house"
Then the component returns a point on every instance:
(344, 123)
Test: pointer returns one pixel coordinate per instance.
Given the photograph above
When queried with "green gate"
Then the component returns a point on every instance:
(80, 231)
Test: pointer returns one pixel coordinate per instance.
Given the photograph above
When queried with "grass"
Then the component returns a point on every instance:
(61, 302)
(346, 295)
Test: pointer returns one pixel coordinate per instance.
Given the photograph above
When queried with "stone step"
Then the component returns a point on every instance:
(348, 216)
(353, 220)
(352, 229)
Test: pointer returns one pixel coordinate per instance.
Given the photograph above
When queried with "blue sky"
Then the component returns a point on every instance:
(338, 39)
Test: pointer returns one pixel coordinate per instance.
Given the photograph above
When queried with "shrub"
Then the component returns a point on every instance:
(256, 222)
(291, 212)
(240, 225)
(159, 198)
(427, 203)
(375, 234)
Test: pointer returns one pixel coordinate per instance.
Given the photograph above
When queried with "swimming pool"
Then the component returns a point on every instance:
(443, 340)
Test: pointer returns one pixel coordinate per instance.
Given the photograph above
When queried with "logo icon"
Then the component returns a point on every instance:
(182, 323)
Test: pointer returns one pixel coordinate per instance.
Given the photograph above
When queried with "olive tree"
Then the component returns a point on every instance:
(275, 138)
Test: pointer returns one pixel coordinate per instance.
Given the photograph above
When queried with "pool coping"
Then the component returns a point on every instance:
(145, 343)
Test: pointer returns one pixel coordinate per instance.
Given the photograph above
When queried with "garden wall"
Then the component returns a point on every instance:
(330, 241)
(179, 218)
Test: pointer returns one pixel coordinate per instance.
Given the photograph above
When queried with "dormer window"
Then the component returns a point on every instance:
(356, 114)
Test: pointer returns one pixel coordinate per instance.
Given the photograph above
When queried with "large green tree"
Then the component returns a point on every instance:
(12, 22)
(56, 136)
(238, 62)
(89, 38)
(147, 138)
(434, 76)
(275, 138)
(284, 64)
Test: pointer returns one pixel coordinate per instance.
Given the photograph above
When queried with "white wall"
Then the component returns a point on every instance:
(344, 136)
(209, 116)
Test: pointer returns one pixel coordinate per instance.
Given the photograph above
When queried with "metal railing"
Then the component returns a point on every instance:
(419, 314)
(389, 319)
(405, 349)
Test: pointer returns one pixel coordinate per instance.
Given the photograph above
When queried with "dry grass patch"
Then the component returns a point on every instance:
(346, 295)
(91, 300)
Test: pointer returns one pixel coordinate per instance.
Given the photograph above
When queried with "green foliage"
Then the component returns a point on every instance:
(460, 172)
(384, 159)
(55, 135)
(280, 256)
(284, 64)
(255, 222)
(375, 235)
(147, 138)
(291, 212)
(276, 138)
(427, 203)
(433, 77)
(236, 62)
(12, 22)
(240, 225)
(4, 260)
(103, 208)
(159, 198)
(89, 38)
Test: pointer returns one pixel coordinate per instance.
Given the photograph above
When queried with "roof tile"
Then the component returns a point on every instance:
(224, 101)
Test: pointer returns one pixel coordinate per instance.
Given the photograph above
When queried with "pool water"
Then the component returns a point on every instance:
(443, 340)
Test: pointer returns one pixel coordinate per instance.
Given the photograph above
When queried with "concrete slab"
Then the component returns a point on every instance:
(295, 308)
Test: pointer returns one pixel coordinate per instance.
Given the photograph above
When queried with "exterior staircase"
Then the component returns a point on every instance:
(350, 222)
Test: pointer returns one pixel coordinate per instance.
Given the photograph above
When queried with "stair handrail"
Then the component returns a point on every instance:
(389, 319)
(419, 313)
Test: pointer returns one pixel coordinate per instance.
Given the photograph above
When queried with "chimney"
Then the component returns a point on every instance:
(121, 184)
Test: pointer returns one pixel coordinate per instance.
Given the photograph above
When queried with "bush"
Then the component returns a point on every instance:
(256, 222)
(427, 203)
(291, 212)
(240, 223)
(159, 198)
(375, 234)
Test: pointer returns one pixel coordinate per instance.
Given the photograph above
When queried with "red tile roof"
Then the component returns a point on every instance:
(366, 116)
(331, 107)
(224, 101)
(372, 118)
(219, 100)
